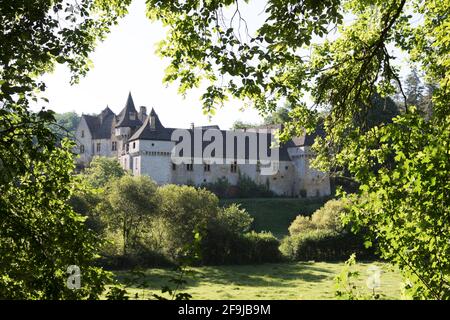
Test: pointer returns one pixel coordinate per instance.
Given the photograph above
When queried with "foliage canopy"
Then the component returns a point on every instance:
(402, 165)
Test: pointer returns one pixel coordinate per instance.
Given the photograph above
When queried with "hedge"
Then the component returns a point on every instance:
(324, 245)
(249, 248)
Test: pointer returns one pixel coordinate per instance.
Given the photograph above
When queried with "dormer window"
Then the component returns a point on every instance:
(132, 115)
(152, 123)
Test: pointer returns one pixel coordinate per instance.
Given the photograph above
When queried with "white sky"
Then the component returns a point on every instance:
(126, 61)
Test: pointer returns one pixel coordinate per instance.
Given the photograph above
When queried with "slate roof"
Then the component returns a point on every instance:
(101, 126)
(123, 118)
(160, 133)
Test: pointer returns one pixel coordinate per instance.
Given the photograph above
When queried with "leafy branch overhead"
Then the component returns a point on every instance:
(335, 62)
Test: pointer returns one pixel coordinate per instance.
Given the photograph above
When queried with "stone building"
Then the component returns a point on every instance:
(145, 146)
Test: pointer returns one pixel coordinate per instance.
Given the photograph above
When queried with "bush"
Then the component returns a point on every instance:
(249, 248)
(250, 189)
(145, 259)
(324, 245)
(220, 187)
(329, 216)
(301, 224)
(226, 240)
(326, 218)
(235, 219)
(262, 247)
(245, 188)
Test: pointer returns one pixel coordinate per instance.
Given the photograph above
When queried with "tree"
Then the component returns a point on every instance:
(66, 123)
(40, 234)
(414, 89)
(102, 170)
(185, 210)
(243, 125)
(128, 206)
(419, 93)
(401, 166)
(279, 116)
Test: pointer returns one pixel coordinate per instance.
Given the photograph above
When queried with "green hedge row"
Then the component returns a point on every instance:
(324, 245)
(249, 248)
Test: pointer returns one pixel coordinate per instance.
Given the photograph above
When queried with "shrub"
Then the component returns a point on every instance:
(145, 259)
(301, 224)
(324, 245)
(245, 188)
(224, 247)
(224, 234)
(329, 216)
(226, 240)
(250, 189)
(235, 219)
(262, 247)
(220, 187)
(303, 193)
(326, 218)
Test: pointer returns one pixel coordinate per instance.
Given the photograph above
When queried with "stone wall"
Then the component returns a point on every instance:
(85, 140)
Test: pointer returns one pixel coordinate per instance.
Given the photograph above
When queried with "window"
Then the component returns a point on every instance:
(152, 123)
(132, 116)
(99, 145)
(114, 146)
(82, 149)
(234, 167)
(207, 167)
(174, 166)
(82, 133)
(134, 145)
(189, 167)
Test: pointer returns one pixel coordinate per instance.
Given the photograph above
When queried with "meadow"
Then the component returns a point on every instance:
(285, 281)
(276, 214)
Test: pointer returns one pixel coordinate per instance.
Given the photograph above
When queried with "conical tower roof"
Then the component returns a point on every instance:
(152, 129)
(128, 116)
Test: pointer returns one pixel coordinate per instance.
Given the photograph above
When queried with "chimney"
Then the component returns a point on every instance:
(142, 113)
(192, 125)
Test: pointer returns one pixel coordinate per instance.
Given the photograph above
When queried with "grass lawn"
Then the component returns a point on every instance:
(276, 214)
(283, 281)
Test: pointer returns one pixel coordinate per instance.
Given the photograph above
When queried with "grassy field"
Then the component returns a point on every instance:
(284, 281)
(276, 214)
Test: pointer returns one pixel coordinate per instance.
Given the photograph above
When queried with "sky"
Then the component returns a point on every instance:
(126, 62)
